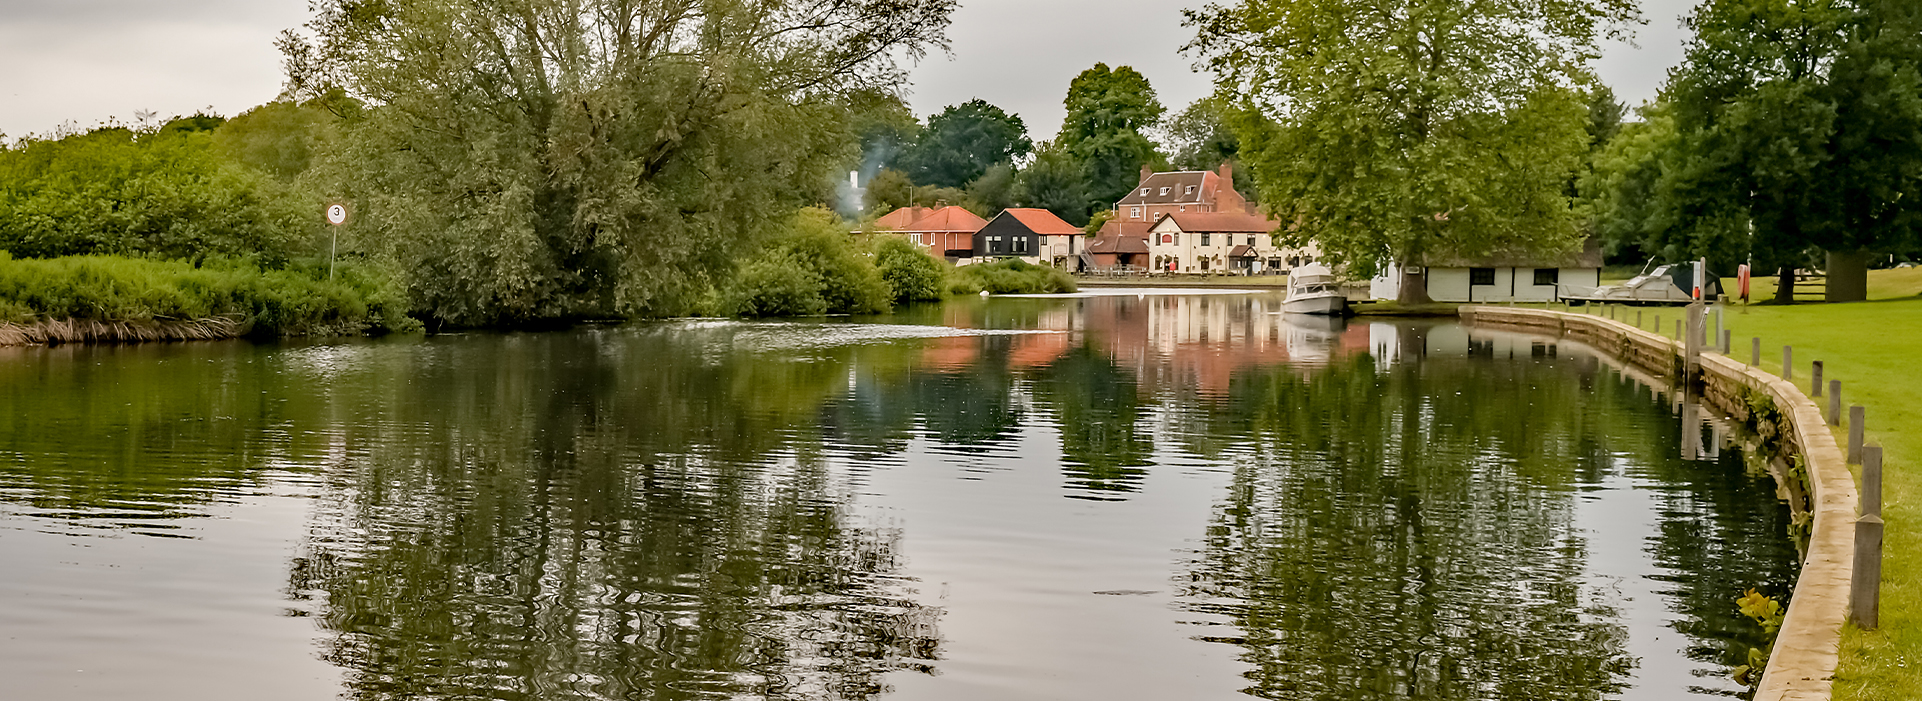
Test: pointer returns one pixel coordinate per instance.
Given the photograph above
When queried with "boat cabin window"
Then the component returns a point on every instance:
(1481, 276)
(1548, 276)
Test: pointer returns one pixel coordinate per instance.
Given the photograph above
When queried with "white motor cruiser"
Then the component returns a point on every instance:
(1313, 289)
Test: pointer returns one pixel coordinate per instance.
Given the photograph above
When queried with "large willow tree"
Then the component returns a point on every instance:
(532, 159)
(1398, 130)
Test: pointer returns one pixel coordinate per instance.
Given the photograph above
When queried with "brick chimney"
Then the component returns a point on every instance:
(1228, 174)
(1146, 171)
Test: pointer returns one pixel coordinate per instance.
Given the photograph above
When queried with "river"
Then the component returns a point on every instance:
(1116, 496)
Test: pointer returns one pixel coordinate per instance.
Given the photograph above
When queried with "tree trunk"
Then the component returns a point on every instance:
(1785, 285)
(1414, 286)
(1848, 279)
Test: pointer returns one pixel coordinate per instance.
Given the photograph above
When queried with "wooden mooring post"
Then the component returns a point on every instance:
(1788, 362)
(1857, 417)
(1865, 587)
(1835, 402)
(1755, 351)
(1726, 348)
(1815, 381)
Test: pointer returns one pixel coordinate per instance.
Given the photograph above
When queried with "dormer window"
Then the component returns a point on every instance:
(1164, 191)
(1191, 189)
(1144, 192)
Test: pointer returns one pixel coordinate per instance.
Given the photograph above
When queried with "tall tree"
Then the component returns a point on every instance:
(1390, 131)
(1110, 113)
(532, 159)
(962, 142)
(1202, 137)
(1055, 181)
(1797, 130)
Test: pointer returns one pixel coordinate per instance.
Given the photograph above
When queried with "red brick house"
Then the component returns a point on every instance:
(947, 232)
(1181, 193)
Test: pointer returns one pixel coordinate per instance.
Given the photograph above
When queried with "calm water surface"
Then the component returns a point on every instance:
(1115, 497)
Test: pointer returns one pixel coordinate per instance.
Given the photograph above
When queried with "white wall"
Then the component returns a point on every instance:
(1517, 284)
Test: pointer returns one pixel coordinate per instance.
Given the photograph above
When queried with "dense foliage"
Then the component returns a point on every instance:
(1393, 131)
(291, 301)
(1110, 113)
(1791, 129)
(531, 160)
(1009, 276)
(813, 267)
(911, 275)
(165, 193)
(961, 143)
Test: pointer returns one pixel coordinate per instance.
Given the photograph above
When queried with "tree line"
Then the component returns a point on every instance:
(1791, 136)
(514, 162)
(978, 156)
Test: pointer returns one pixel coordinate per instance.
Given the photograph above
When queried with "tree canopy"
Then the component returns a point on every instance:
(163, 192)
(525, 160)
(961, 143)
(1389, 131)
(1792, 128)
(1202, 137)
(1110, 112)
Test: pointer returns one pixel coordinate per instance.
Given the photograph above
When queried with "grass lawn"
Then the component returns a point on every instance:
(1875, 349)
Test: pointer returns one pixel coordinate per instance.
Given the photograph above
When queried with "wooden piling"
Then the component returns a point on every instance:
(1865, 584)
(1835, 402)
(1788, 362)
(1857, 416)
(1755, 352)
(1815, 381)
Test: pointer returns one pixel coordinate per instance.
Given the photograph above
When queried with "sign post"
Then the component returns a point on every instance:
(337, 216)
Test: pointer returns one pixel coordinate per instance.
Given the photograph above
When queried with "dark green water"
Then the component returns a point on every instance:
(1158, 497)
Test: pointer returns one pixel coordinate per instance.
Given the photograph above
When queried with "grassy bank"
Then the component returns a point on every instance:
(1225, 281)
(1874, 348)
(110, 298)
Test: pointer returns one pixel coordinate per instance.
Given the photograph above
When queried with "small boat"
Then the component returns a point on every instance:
(1668, 284)
(1313, 289)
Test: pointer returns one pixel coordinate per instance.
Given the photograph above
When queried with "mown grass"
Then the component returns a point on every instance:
(1875, 349)
(298, 300)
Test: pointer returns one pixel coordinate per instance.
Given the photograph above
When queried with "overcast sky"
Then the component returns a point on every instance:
(83, 61)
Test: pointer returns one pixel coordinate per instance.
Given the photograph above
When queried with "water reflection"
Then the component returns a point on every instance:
(721, 510)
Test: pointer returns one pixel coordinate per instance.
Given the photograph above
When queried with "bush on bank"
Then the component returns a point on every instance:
(1011, 276)
(297, 300)
(913, 276)
(811, 267)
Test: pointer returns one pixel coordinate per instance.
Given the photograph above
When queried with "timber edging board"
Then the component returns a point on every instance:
(1802, 665)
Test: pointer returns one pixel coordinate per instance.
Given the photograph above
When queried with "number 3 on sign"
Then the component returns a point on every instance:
(336, 214)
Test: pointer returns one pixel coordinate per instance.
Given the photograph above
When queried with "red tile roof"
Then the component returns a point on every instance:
(1221, 222)
(947, 220)
(1042, 222)
(899, 219)
(1120, 237)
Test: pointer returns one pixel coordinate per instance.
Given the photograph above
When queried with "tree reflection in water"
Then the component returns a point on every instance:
(669, 511)
(563, 522)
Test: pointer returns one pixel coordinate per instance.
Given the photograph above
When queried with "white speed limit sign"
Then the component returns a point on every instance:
(336, 214)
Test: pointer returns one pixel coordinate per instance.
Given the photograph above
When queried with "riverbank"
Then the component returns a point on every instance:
(1872, 347)
(112, 299)
(1261, 282)
(1804, 660)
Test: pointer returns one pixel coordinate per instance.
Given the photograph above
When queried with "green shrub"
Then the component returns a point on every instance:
(912, 275)
(812, 267)
(298, 300)
(113, 191)
(1010, 276)
(776, 285)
